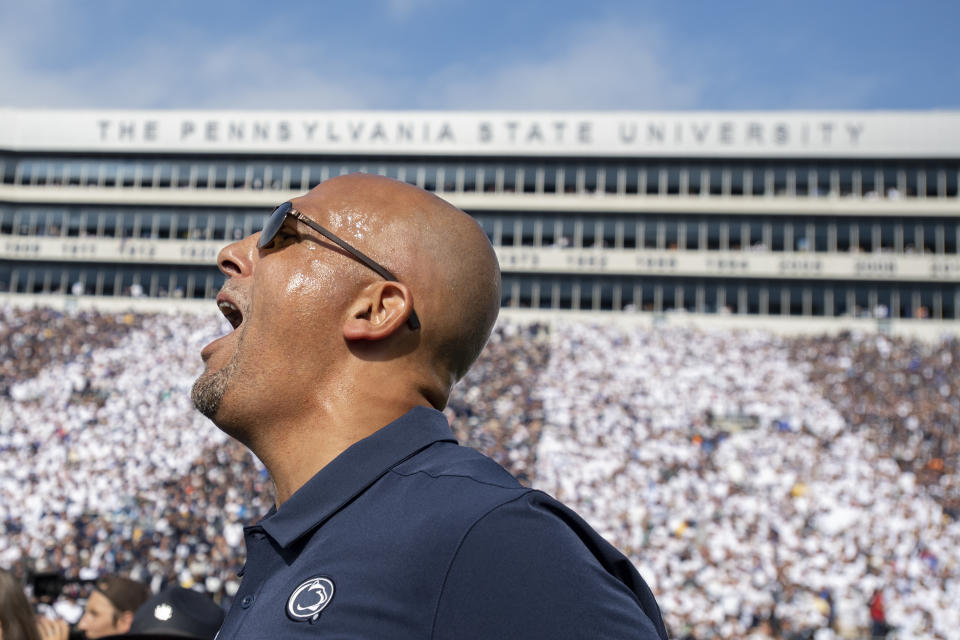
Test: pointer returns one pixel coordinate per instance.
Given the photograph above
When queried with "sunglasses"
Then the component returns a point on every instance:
(279, 215)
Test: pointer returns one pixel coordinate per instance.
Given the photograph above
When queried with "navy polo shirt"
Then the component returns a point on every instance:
(406, 534)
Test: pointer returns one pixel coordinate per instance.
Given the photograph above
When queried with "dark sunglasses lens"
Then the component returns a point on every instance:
(273, 224)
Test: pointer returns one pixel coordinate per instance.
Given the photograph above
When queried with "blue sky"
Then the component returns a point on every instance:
(434, 54)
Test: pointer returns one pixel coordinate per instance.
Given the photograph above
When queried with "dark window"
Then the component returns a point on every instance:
(631, 233)
(550, 179)
(716, 180)
(951, 232)
(589, 179)
(759, 179)
(429, 177)
(843, 235)
(780, 181)
(653, 180)
(200, 175)
(888, 235)
(865, 236)
(528, 231)
(736, 181)
(821, 234)
(588, 232)
(671, 235)
(868, 182)
(932, 182)
(673, 180)
(774, 299)
(610, 179)
(824, 185)
(778, 235)
(650, 233)
(753, 298)
(713, 235)
(630, 180)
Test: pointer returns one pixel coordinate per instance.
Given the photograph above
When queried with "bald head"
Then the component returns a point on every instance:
(435, 249)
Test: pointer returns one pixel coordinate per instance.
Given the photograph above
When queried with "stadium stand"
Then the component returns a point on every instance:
(900, 394)
(764, 486)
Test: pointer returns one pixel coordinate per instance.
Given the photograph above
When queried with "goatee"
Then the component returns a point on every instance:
(208, 390)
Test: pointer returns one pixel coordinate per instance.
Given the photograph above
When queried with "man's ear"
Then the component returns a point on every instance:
(378, 311)
(124, 620)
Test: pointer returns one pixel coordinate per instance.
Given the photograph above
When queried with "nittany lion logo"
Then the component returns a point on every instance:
(310, 598)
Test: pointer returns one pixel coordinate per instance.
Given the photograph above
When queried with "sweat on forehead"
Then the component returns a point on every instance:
(367, 195)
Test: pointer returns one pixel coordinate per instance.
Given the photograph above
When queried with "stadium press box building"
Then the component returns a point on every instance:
(794, 218)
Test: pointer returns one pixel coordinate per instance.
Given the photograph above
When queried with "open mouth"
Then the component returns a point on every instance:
(230, 312)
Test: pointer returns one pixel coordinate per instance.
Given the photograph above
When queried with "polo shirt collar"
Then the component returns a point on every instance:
(350, 473)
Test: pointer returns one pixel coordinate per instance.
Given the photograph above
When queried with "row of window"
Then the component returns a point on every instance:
(730, 233)
(111, 280)
(899, 235)
(753, 297)
(132, 222)
(628, 177)
(658, 294)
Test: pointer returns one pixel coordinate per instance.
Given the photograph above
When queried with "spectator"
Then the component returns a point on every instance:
(16, 616)
(878, 615)
(110, 608)
(175, 614)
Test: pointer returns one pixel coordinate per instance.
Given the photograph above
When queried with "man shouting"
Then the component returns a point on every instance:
(355, 311)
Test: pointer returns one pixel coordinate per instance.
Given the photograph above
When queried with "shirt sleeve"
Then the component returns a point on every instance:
(531, 569)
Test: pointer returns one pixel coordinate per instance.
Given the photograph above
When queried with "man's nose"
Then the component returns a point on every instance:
(236, 259)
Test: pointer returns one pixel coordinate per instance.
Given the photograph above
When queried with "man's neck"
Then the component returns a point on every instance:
(296, 451)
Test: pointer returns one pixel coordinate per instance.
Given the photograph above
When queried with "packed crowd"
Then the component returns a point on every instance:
(716, 461)
(104, 466)
(32, 339)
(764, 487)
(496, 407)
(901, 395)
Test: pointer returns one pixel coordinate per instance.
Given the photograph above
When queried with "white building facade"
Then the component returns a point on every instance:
(809, 217)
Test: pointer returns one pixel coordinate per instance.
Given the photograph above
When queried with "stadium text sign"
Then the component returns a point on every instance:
(108, 249)
(749, 265)
(531, 260)
(760, 134)
(629, 132)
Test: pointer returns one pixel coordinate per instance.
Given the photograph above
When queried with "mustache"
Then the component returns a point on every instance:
(234, 295)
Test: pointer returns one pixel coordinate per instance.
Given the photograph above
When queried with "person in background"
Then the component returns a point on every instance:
(878, 615)
(109, 610)
(175, 614)
(16, 617)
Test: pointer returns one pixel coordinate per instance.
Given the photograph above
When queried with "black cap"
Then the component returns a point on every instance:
(175, 614)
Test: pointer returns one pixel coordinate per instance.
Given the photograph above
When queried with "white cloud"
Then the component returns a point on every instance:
(600, 66)
(190, 71)
(56, 53)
